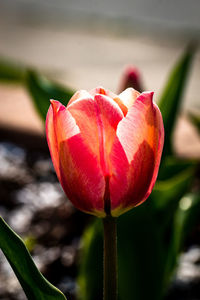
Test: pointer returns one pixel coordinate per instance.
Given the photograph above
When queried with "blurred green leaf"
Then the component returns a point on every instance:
(11, 72)
(167, 191)
(171, 98)
(35, 286)
(185, 219)
(42, 90)
(195, 119)
(172, 166)
(140, 255)
(165, 198)
(91, 267)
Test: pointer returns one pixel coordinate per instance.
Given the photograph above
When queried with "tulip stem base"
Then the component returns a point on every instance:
(110, 258)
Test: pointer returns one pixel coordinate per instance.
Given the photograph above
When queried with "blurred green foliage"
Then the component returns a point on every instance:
(11, 72)
(42, 90)
(170, 101)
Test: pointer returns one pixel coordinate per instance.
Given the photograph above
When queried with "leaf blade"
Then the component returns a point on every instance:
(42, 90)
(11, 72)
(35, 286)
(171, 97)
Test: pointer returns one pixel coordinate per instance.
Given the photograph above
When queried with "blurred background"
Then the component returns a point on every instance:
(68, 39)
(81, 45)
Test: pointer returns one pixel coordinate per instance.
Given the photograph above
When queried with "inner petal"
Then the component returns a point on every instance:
(84, 112)
(126, 99)
(97, 120)
(108, 116)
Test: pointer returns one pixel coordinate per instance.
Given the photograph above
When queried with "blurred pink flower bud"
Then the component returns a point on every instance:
(131, 78)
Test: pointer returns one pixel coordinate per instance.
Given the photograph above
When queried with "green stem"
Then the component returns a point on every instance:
(110, 258)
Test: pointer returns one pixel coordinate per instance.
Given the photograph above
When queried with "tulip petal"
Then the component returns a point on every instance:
(126, 99)
(102, 91)
(99, 90)
(52, 141)
(138, 147)
(78, 96)
(85, 113)
(59, 126)
(53, 136)
(97, 120)
(82, 177)
(109, 115)
(74, 163)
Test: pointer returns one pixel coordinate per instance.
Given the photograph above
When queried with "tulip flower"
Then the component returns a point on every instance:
(106, 148)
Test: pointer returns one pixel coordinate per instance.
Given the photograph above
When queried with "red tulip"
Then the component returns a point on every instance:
(106, 149)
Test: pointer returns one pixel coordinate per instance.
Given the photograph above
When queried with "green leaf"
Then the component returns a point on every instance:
(172, 166)
(185, 219)
(35, 286)
(11, 72)
(140, 255)
(171, 98)
(167, 191)
(165, 198)
(90, 278)
(42, 90)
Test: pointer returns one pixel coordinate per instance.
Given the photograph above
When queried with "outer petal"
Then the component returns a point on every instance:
(109, 115)
(52, 140)
(52, 135)
(97, 120)
(136, 154)
(75, 164)
(79, 95)
(100, 90)
(85, 113)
